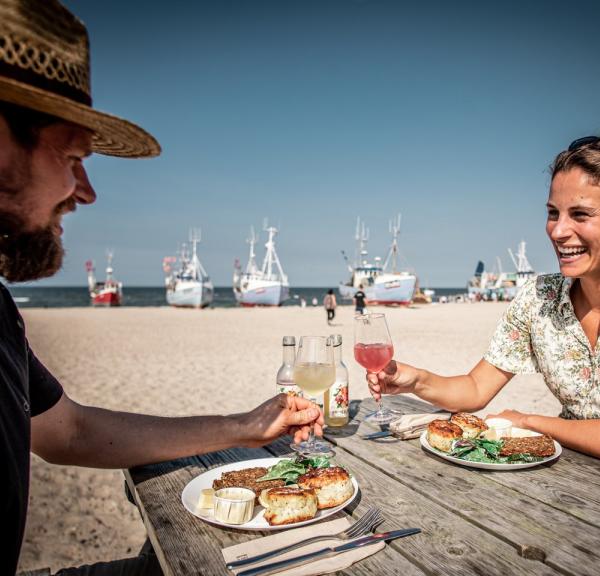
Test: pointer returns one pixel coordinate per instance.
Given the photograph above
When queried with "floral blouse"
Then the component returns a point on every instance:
(539, 332)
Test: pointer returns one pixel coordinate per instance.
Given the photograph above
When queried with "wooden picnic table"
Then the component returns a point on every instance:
(540, 520)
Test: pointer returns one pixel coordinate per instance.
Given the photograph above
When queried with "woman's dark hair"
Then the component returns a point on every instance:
(585, 157)
(25, 124)
(330, 291)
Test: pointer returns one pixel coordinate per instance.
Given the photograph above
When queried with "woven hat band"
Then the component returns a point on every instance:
(39, 81)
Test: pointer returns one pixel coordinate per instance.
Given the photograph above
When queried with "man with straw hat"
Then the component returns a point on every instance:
(47, 128)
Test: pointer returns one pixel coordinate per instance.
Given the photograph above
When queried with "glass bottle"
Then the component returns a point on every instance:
(285, 374)
(337, 398)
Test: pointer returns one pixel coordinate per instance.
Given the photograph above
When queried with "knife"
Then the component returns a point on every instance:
(374, 435)
(273, 567)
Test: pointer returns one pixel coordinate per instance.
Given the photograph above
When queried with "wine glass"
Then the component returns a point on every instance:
(314, 372)
(373, 349)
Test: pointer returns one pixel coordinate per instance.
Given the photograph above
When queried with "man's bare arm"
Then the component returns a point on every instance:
(70, 433)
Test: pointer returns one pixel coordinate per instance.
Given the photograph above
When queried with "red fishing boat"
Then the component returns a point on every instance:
(107, 293)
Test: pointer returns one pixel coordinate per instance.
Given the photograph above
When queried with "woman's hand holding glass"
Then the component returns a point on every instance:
(395, 378)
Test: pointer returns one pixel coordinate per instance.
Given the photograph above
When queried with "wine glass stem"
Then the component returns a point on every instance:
(311, 434)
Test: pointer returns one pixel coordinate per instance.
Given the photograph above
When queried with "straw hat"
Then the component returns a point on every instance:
(45, 66)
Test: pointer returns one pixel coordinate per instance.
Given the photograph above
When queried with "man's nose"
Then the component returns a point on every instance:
(84, 193)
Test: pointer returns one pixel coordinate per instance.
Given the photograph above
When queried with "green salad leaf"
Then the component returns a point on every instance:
(488, 451)
(290, 470)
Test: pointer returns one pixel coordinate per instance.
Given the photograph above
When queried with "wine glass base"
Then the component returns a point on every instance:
(382, 416)
(313, 449)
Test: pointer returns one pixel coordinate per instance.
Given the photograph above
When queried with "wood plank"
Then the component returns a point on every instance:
(502, 503)
(449, 543)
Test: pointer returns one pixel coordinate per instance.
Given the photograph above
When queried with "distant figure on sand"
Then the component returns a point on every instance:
(360, 300)
(47, 129)
(314, 301)
(550, 327)
(330, 305)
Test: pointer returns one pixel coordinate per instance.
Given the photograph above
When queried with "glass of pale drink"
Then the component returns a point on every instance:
(314, 373)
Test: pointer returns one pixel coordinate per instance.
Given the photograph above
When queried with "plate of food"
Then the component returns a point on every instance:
(467, 440)
(270, 493)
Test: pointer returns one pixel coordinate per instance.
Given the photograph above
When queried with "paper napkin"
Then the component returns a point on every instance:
(323, 566)
(412, 425)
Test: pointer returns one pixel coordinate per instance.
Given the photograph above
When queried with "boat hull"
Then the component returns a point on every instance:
(387, 290)
(106, 299)
(190, 295)
(262, 294)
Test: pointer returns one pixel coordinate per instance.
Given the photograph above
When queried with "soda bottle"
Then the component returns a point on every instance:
(285, 374)
(336, 398)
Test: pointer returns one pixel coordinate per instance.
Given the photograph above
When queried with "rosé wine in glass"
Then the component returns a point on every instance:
(373, 357)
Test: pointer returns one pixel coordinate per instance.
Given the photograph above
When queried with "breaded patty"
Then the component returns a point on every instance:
(441, 434)
(288, 505)
(333, 486)
(534, 445)
(471, 425)
(246, 478)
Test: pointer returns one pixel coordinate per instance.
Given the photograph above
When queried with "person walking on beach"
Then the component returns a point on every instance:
(330, 305)
(360, 300)
(550, 327)
(47, 129)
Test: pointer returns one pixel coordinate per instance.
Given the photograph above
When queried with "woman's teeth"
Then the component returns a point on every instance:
(569, 252)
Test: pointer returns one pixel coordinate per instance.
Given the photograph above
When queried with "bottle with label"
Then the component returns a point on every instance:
(285, 374)
(336, 398)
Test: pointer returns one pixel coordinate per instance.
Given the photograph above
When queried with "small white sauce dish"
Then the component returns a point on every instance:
(498, 428)
(234, 505)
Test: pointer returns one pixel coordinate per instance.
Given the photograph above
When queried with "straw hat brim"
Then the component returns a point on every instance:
(112, 136)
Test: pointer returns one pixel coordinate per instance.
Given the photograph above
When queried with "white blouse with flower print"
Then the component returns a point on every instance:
(539, 332)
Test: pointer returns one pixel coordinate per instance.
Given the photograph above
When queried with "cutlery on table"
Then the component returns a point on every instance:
(366, 523)
(273, 567)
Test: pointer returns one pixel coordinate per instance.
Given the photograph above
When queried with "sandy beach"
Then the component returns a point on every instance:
(181, 362)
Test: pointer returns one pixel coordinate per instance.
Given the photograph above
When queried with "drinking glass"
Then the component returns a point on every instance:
(314, 373)
(373, 349)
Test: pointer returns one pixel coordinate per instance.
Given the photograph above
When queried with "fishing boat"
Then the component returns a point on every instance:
(498, 284)
(107, 293)
(265, 286)
(382, 284)
(187, 283)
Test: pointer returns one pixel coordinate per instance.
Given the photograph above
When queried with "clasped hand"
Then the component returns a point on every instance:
(395, 378)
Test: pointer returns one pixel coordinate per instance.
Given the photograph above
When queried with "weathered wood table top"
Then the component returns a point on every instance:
(541, 520)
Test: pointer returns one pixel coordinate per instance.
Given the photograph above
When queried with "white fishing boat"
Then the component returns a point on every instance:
(188, 286)
(266, 286)
(382, 284)
(497, 284)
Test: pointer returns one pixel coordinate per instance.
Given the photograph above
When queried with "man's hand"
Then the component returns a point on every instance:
(395, 378)
(280, 415)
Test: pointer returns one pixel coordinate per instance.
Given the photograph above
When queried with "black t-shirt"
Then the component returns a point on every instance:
(26, 389)
(359, 298)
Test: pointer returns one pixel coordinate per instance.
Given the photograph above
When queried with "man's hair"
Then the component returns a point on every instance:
(25, 124)
(586, 157)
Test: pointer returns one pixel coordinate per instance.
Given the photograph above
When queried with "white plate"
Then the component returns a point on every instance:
(516, 432)
(191, 494)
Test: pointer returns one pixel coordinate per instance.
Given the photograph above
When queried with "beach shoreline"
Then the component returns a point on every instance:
(178, 362)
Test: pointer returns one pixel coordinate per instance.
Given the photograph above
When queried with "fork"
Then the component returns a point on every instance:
(371, 518)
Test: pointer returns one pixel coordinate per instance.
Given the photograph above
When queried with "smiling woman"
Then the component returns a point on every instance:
(552, 326)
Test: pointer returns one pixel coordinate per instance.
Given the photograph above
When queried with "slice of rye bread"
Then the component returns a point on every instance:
(534, 445)
(246, 478)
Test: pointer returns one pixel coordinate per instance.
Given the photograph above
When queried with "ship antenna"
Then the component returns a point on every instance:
(394, 228)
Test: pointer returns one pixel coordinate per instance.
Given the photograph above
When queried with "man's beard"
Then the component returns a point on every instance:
(28, 255)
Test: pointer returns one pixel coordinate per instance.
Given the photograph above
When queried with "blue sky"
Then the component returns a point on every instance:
(313, 113)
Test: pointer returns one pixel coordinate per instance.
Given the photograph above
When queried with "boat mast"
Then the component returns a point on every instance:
(198, 272)
(393, 252)
(521, 263)
(109, 269)
(362, 237)
(251, 267)
(271, 257)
